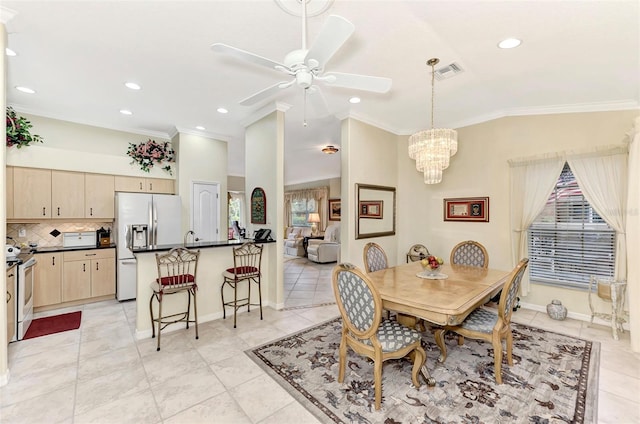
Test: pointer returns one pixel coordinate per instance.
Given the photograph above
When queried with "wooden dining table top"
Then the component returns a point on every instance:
(444, 301)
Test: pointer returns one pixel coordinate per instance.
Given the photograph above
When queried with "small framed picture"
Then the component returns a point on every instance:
(370, 209)
(334, 209)
(471, 209)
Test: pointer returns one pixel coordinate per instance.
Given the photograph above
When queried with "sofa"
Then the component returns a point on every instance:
(327, 249)
(293, 240)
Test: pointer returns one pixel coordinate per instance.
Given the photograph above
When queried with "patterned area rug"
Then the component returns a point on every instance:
(554, 379)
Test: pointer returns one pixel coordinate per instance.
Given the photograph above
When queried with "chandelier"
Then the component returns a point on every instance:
(431, 149)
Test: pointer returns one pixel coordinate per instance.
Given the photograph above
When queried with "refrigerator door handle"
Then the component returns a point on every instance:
(150, 236)
(155, 222)
(127, 236)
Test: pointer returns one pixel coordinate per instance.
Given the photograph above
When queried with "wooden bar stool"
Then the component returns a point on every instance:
(176, 274)
(246, 267)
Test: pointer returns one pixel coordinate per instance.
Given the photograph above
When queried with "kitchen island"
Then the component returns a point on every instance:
(215, 257)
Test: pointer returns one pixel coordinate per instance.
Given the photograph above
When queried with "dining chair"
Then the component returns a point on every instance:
(612, 291)
(417, 252)
(247, 260)
(490, 325)
(364, 331)
(176, 274)
(374, 258)
(469, 253)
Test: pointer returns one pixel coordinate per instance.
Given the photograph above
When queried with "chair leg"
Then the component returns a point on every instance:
(224, 312)
(153, 328)
(159, 321)
(260, 297)
(342, 353)
(497, 357)
(195, 309)
(249, 295)
(439, 336)
(235, 303)
(377, 380)
(509, 342)
(419, 359)
(188, 308)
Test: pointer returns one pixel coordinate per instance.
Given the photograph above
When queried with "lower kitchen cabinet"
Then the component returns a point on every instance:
(47, 279)
(88, 273)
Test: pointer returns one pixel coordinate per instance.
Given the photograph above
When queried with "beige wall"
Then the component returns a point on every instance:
(235, 183)
(369, 156)
(480, 168)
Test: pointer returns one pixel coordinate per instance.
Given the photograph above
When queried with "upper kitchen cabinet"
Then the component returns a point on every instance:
(144, 185)
(67, 194)
(99, 196)
(32, 193)
(9, 188)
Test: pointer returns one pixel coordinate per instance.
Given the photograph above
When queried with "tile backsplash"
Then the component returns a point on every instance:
(49, 234)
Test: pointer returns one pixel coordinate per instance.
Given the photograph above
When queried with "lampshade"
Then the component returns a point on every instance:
(431, 149)
(314, 217)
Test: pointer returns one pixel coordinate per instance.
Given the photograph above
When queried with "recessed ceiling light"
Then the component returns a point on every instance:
(200, 127)
(9, 52)
(354, 100)
(222, 110)
(132, 85)
(26, 90)
(509, 43)
(126, 112)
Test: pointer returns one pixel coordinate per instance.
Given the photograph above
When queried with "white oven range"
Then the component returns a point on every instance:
(24, 293)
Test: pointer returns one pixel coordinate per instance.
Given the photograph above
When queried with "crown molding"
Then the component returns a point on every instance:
(199, 133)
(264, 111)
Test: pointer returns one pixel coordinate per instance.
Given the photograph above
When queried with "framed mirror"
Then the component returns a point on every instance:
(375, 211)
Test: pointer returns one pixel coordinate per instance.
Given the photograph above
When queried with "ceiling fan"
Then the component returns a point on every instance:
(306, 66)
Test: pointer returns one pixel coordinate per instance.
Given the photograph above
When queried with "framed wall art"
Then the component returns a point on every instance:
(258, 206)
(371, 209)
(470, 209)
(334, 209)
(376, 211)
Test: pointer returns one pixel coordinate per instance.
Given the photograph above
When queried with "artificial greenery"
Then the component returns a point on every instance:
(152, 153)
(18, 133)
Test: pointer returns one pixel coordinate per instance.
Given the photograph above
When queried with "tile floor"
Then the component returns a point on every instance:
(307, 283)
(100, 373)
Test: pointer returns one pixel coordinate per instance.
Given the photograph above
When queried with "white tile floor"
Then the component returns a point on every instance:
(100, 373)
(307, 283)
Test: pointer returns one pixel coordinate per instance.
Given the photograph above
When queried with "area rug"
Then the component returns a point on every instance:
(54, 324)
(554, 379)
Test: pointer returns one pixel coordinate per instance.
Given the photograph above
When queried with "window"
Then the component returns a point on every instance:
(569, 241)
(300, 210)
(235, 210)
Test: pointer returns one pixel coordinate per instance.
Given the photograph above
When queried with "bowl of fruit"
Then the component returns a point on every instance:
(431, 264)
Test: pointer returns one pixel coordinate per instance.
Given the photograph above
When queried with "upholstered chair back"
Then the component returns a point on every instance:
(470, 253)
(374, 258)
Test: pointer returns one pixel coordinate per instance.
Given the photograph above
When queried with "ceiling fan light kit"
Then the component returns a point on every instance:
(431, 149)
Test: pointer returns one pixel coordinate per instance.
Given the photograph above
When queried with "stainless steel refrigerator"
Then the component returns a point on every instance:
(160, 214)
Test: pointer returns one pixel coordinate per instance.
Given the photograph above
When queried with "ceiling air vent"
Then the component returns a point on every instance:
(448, 71)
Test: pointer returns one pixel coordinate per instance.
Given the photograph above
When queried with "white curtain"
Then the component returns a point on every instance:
(239, 196)
(633, 235)
(320, 195)
(531, 184)
(602, 176)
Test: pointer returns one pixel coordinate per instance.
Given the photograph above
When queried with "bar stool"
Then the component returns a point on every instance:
(176, 274)
(246, 267)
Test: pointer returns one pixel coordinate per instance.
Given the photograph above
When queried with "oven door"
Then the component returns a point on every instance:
(25, 296)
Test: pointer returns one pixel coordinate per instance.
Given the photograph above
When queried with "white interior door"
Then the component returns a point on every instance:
(205, 207)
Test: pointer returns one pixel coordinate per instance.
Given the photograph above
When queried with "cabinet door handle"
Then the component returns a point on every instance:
(10, 275)
(97, 266)
(44, 211)
(90, 211)
(150, 186)
(8, 297)
(90, 254)
(84, 267)
(53, 260)
(58, 211)
(141, 186)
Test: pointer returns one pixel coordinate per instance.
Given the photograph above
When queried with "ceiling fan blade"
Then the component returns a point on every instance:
(246, 56)
(263, 94)
(334, 33)
(358, 82)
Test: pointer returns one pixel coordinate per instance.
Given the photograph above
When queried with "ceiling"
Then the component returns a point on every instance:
(77, 55)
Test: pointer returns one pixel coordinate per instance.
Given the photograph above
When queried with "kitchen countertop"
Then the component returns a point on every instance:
(166, 247)
(53, 249)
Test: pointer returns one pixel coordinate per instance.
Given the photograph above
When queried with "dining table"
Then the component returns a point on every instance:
(445, 298)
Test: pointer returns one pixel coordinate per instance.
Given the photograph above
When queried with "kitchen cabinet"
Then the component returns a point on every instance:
(99, 196)
(47, 279)
(31, 193)
(88, 273)
(144, 185)
(11, 302)
(67, 194)
(9, 191)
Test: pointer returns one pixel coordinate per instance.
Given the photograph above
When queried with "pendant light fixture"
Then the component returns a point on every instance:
(431, 149)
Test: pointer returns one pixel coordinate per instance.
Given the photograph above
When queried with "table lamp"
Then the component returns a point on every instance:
(314, 218)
